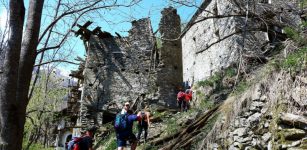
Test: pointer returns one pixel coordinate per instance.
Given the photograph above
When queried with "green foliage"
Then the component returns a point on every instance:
(216, 79)
(295, 60)
(108, 142)
(206, 104)
(149, 147)
(41, 112)
(240, 88)
(213, 80)
(39, 147)
(112, 145)
(294, 35)
(159, 43)
(230, 72)
(172, 126)
(303, 4)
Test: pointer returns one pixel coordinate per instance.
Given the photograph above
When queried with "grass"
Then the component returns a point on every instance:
(39, 147)
(240, 88)
(213, 80)
(296, 60)
(112, 145)
(206, 104)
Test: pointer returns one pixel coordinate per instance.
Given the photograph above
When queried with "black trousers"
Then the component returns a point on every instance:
(141, 127)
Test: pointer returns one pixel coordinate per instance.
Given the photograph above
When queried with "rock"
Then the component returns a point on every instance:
(264, 110)
(270, 146)
(257, 93)
(255, 142)
(243, 122)
(293, 134)
(296, 148)
(207, 90)
(246, 140)
(253, 119)
(302, 79)
(240, 132)
(263, 98)
(232, 147)
(256, 106)
(293, 144)
(266, 137)
(294, 120)
(266, 124)
(299, 95)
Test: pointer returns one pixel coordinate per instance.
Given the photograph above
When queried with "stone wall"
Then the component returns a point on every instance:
(169, 72)
(200, 58)
(260, 117)
(120, 69)
(210, 44)
(117, 70)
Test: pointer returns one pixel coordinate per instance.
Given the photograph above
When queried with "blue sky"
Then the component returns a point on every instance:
(118, 20)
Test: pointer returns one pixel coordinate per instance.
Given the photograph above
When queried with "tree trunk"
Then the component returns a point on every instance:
(27, 60)
(9, 128)
(15, 80)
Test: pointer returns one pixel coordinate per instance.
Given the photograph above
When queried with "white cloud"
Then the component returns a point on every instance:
(3, 18)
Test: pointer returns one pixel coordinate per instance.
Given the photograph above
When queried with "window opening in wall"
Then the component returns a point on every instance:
(194, 39)
(265, 1)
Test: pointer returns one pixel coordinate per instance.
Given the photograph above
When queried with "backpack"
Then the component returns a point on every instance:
(144, 117)
(121, 122)
(180, 95)
(74, 144)
(188, 95)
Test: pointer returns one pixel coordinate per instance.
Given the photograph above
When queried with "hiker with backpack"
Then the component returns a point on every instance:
(123, 128)
(144, 123)
(181, 99)
(188, 98)
(84, 142)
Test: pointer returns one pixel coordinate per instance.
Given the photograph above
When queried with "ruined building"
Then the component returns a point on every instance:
(119, 69)
(136, 69)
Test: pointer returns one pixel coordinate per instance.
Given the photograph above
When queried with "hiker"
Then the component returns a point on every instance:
(180, 99)
(188, 98)
(85, 142)
(125, 108)
(144, 123)
(123, 128)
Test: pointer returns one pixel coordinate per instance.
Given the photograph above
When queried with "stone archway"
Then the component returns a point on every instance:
(63, 137)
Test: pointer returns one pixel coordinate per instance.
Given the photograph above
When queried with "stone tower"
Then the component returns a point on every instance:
(169, 73)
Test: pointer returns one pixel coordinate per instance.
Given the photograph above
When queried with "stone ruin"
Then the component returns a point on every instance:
(133, 68)
(119, 69)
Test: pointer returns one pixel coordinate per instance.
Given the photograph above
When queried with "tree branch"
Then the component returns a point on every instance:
(54, 61)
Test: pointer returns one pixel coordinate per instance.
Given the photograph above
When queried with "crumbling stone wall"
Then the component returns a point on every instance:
(117, 69)
(169, 74)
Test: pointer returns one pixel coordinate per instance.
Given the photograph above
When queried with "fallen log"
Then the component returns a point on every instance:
(185, 136)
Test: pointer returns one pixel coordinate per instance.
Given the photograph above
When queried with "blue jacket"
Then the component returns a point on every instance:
(128, 132)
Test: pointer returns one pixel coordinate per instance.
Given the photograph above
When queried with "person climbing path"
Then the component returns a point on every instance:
(144, 123)
(188, 98)
(123, 128)
(181, 99)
